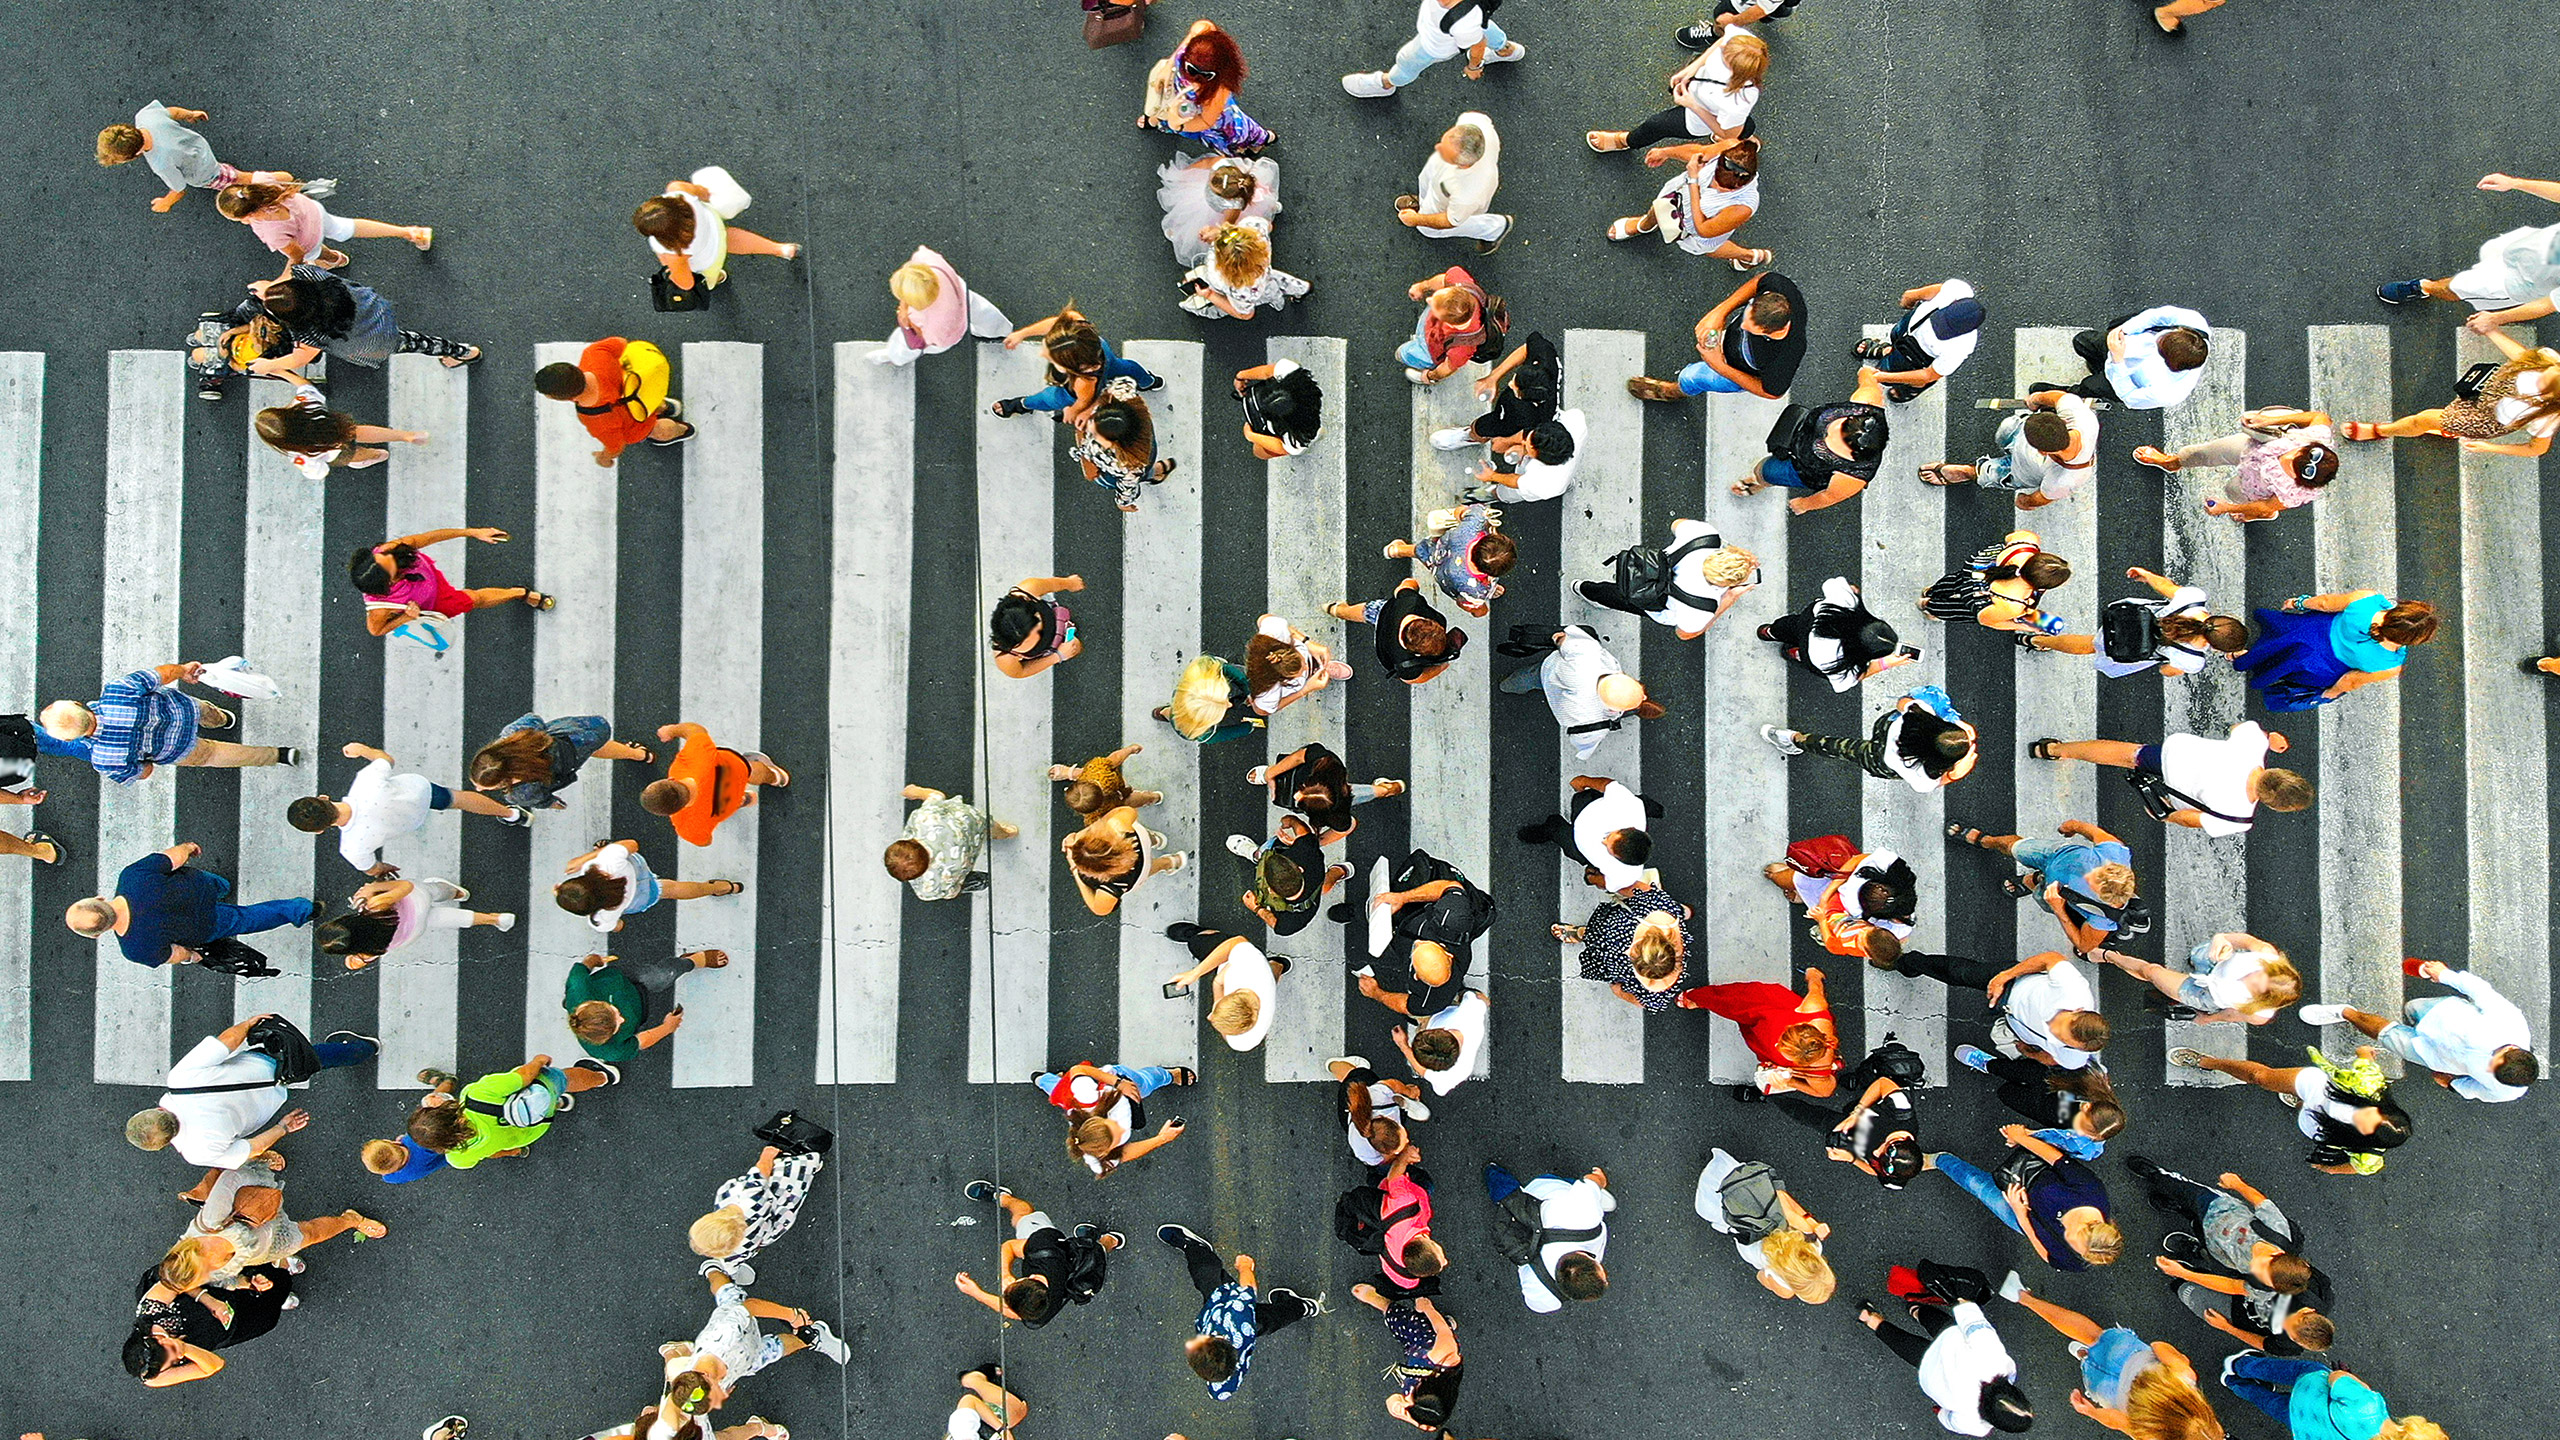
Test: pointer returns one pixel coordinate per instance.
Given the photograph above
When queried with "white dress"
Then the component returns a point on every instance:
(1183, 191)
(1270, 290)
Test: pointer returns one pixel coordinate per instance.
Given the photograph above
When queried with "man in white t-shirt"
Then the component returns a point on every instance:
(1707, 576)
(1939, 328)
(2051, 1012)
(1535, 465)
(1442, 29)
(2047, 449)
(1572, 1234)
(382, 805)
(2210, 785)
(1453, 197)
(1607, 833)
(224, 1103)
(2515, 280)
(1445, 1047)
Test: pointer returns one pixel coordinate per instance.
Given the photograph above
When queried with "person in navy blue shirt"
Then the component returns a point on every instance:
(165, 912)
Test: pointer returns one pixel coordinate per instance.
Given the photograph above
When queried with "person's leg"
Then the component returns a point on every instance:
(329, 1227)
(1607, 595)
(1490, 225)
(2072, 1324)
(414, 343)
(2030, 1100)
(2248, 1072)
(2276, 1403)
(1499, 1182)
(1148, 1078)
(41, 850)
(2011, 1070)
(762, 771)
(2226, 451)
(1207, 1273)
(2121, 754)
(231, 920)
(1978, 1183)
(1416, 351)
(748, 242)
(474, 803)
(1409, 64)
(223, 755)
(692, 889)
(1902, 1342)
(1049, 398)
(1700, 378)
(1280, 1309)
(1810, 1113)
(1554, 830)
(1862, 753)
(339, 1054)
(1116, 365)
(1527, 680)
(1961, 972)
(1662, 125)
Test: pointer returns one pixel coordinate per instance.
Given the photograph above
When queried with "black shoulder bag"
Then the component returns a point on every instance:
(296, 1058)
(668, 298)
(2160, 801)
(1791, 424)
(793, 1133)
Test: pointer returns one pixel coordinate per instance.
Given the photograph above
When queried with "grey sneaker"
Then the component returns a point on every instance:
(2011, 1287)
(1453, 438)
(1783, 740)
(2186, 1057)
(518, 816)
(1974, 1058)
(828, 1342)
(739, 1271)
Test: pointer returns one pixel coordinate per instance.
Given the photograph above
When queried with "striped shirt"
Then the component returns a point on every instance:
(142, 719)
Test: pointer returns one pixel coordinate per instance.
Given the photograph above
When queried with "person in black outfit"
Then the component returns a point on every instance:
(2081, 1101)
(1415, 642)
(1290, 878)
(1528, 387)
(1311, 780)
(1427, 1375)
(1750, 344)
(174, 1334)
(1878, 1131)
(1831, 456)
(1707, 32)
(1042, 1266)
(1838, 638)
(1418, 967)
(1283, 408)
(1910, 742)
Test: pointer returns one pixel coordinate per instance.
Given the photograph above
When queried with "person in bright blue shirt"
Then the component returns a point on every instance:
(2316, 648)
(1231, 1317)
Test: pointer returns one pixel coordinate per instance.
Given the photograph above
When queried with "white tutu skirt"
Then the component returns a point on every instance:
(1183, 191)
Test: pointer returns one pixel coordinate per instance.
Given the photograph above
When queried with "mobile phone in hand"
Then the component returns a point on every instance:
(1909, 652)
(1176, 989)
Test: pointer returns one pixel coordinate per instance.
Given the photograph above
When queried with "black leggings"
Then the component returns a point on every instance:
(2023, 1090)
(1812, 1114)
(1207, 1274)
(1606, 592)
(2178, 1198)
(1932, 1318)
(1956, 971)
(1672, 125)
(413, 343)
(1205, 941)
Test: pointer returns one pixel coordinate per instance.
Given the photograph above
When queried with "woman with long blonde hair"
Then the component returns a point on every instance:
(2147, 1391)
(1712, 98)
(1237, 278)
(1114, 855)
(2229, 977)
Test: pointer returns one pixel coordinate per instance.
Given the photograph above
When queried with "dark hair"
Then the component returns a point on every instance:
(2096, 1093)
(1269, 662)
(1214, 1361)
(2225, 633)
(1072, 344)
(1213, 59)
(1552, 443)
(1422, 1258)
(589, 891)
(1282, 876)
(364, 567)
(1898, 1162)
(1742, 161)
(358, 932)
(513, 759)
(2086, 1029)
(2006, 1407)
(1931, 743)
(1018, 616)
(906, 859)
(666, 219)
(1889, 899)
(561, 380)
(1435, 1049)
(1128, 426)
(143, 1357)
(1769, 310)
(304, 428)
(2288, 1274)
(442, 1128)
(1495, 553)
(2182, 348)
(2047, 431)
(2411, 622)
(2046, 570)
(315, 307)
(665, 797)
(312, 815)
(2516, 1066)
(1292, 404)
(2392, 1127)
(1867, 435)
(2315, 465)
(1631, 845)
(1579, 1276)
(1031, 1299)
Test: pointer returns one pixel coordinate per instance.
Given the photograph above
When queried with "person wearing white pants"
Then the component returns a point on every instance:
(936, 310)
(1457, 184)
(1442, 30)
(388, 914)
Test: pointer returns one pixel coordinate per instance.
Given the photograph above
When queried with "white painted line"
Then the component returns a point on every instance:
(143, 522)
(1744, 922)
(2058, 694)
(422, 699)
(1452, 717)
(1903, 526)
(21, 477)
(2205, 887)
(576, 541)
(2507, 827)
(875, 491)
(1308, 501)
(1602, 514)
(722, 691)
(281, 574)
(1009, 936)
(2357, 530)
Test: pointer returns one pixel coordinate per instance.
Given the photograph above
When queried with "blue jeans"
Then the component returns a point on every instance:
(1529, 679)
(1058, 397)
(1148, 1078)
(1700, 378)
(1779, 470)
(2267, 1382)
(339, 1054)
(1412, 60)
(231, 920)
(1416, 352)
(1499, 1183)
(1985, 1189)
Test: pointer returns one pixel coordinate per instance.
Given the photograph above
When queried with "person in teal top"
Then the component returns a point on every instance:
(610, 1001)
(2318, 1403)
(500, 1114)
(2316, 648)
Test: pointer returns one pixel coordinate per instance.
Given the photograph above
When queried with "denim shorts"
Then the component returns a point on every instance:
(2107, 1371)
(644, 888)
(1779, 470)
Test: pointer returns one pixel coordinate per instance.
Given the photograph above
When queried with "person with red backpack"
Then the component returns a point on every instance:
(1869, 918)
(1389, 1216)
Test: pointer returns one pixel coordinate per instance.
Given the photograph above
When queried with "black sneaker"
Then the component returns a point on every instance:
(1181, 931)
(1694, 37)
(2182, 1247)
(1342, 912)
(2143, 1165)
(1175, 1235)
(1153, 382)
(373, 1040)
(1749, 1094)
(1584, 588)
(984, 1191)
(288, 755)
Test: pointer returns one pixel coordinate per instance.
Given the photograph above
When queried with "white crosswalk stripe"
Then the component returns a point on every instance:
(21, 478)
(2057, 694)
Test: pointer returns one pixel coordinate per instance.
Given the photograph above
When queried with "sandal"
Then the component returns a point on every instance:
(718, 959)
(1780, 874)
(675, 439)
(2157, 458)
(1007, 409)
(1871, 349)
(1566, 934)
(1258, 775)
(1960, 831)
(1935, 473)
(1184, 1074)
(537, 600)
(461, 362)
(736, 887)
(366, 1228)
(1750, 484)
(1592, 139)
(1164, 467)
(1623, 230)
(2043, 749)
(2360, 430)
(422, 236)
(1753, 261)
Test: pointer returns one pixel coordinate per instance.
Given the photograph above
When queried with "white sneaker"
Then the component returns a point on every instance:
(1244, 847)
(2323, 1014)
(2011, 1287)
(1413, 1108)
(829, 1343)
(882, 356)
(1416, 376)
(1508, 53)
(1369, 84)
(506, 921)
(1453, 438)
(738, 1271)
(1783, 739)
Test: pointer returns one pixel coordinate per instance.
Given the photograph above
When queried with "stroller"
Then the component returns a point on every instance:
(225, 342)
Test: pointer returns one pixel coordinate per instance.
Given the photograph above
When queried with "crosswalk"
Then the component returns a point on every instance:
(578, 549)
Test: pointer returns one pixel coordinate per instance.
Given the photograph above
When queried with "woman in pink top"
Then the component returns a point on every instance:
(936, 310)
(295, 226)
(390, 913)
(401, 582)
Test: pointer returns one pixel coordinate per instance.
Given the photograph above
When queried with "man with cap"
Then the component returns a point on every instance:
(1939, 327)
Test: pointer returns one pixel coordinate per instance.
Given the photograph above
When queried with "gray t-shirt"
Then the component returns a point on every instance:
(179, 156)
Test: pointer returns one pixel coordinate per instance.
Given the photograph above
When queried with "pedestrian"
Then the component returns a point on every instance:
(1030, 630)
(2315, 1402)
(312, 437)
(2149, 360)
(1793, 1036)
(1283, 406)
(1777, 1237)
(1556, 1230)
(1688, 584)
(501, 1114)
(1378, 1114)
(618, 1008)
(2521, 394)
(1526, 388)
(707, 783)
(1114, 854)
(2208, 785)
(1964, 1369)
(751, 1212)
(691, 229)
(1081, 363)
(1838, 638)
(1711, 98)
(1462, 323)
(1201, 196)
(2075, 1111)
(21, 742)
(1466, 554)
(1728, 14)
(2230, 1239)
(2282, 458)
(1859, 902)
(1452, 199)
(1282, 666)
(2145, 1389)
(2268, 1321)
(1749, 344)
(1586, 688)
(1237, 277)
(623, 391)
(2475, 1041)
(1876, 1131)
(1209, 702)
(732, 1345)
(1422, 925)
(1043, 1267)
(1713, 193)
(388, 913)
(986, 1410)
(382, 805)
(2314, 648)
(2001, 588)
(143, 721)
(1193, 92)
(534, 759)
(1445, 1047)
(1100, 787)
(1442, 30)
(165, 911)
(1608, 831)
(1637, 942)
(936, 310)
(2046, 450)
(1415, 642)
(1388, 1215)
(1290, 876)
(1116, 447)
(2228, 978)
(1427, 1375)
(2084, 878)
(299, 228)
(2177, 634)
(2048, 1009)
(237, 1229)
(2515, 281)
(1831, 451)
(1936, 333)
(1538, 465)
(1102, 1133)
(226, 1098)
(178, 156)
(613, 882)
(1921, 741)
(2346, 1111)
(1312, 781)
(2058, 1203)
(1233, 1315)
(401, 584)
(177, 1337)
(325, 314)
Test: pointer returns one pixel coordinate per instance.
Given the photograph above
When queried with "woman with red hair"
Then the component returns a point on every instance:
(1193, 92)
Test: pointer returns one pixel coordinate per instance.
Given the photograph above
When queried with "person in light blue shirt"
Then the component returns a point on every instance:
(2475, 1041)
(2149, 360)
(2084, 875)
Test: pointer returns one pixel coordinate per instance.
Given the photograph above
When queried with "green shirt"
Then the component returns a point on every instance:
(621, 992)
(489, 1133)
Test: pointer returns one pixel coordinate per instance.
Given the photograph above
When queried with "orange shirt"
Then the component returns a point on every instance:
(610, 421)
(719, 780)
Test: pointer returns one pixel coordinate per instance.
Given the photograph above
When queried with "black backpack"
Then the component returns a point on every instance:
(1088, 1265)
(1646, 574)
(1891, 1060)
(1361, 1219)
(2130, 631)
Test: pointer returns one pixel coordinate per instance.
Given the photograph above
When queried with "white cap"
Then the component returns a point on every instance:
(1084, 1090)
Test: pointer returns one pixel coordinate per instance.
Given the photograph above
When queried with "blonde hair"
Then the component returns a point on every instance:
(1091, 1136)
(1651, 954)
(1200, 697)
(1798, 1263)
(2284, 986)
(2111, 884)
(2163, 1405)
(1747, 56)
(118, 143)
(594, 1021)
(1237, 1013)
(2410, 1427)
(188, 1264)
(916, 286)
(718, 1235)
(2106, 1243)
(1730, 566)
(1241, 253)
(383, 1156)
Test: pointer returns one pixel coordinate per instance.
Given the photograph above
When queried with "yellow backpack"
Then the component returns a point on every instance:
(646, 378)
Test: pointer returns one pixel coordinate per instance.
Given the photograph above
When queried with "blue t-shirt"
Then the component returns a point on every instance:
(421, 1164)
(2351, 637)
(1227, 1314)
(2065, 1185)
(170, 907)
(2070, 867)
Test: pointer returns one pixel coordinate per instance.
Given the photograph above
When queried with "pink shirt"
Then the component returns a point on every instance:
(946, 320)
(412, 910)
(300, 227)
(424, 584)
(1401, 1191)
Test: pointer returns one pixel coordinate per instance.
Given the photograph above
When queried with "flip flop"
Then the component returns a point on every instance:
(1935, 473)
(462, 362)
(1753, 261)
(2359, 430)
(537, 600)
(1750, 484)
(2043, 749)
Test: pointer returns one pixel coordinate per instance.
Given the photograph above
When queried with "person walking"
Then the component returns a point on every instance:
(227, 1099)
(1043, 1267)
(179, 157)
(21, 743)
(143, 721)
(1779, 1239)
(986, 1410)
(299, 228)
(2523, 394)
(751, 1212)
(618, 1008)
(1794, 1037)
(1607, 832)
(2145, 1389)
(165, 911)
(1282, 666)
(1466, 554)
(1114, 854)
(1415, 642)
(2232, 1236)
(1963, 1368)
(1378, 1114)
(312, 437)
(1712, 98)
(2228, 978)
(936, 311)
(1422, 924)
(1921, 741)
(242, 1224)
(1100, 786)
(1860, 903)
(1209, 702)
(2475, 1042)
(707, 782)
(1688, 584)
(2001, 588)
(1727, 15)
(2177, 634)
(1589, 692)
(1445, 1047)
(1031, 630)
(613, 882)
(382, 805)
(2515, 281)
(1237, 277)
(1526, 391)
(401, 584)
(732, 1345)
(1637, 942)
(1427, 1375)
(501, 1114)
(1234, 1316)
(2281, 458)
(1749, 344)
(623, 391)
(1555, 1230)
(1713, 193)
(325, 314)
(2046, 450)
(1283, 406)
(2048, 1009)
(1388, 1216)
(1461, 323)
(1452, 199)
(1193, 92)
(1442, 30)
(2345, 1111)
(2075, 1111)
(2315, 1402)
(2210, 785)
(1081, 363)
(1201, 196)
(1312, 781)
(2058, 1203)
(1537, 465)
(1838, 638)
(177, 1337)
(691, 229)
(1116, 446)
(1290, 876)
(1106, 1108)
(2084, 877)
(2149, 360)
(2315, 648)
(1876, 1130)
(1831, 451)
(1936, 333)
(534, 759)
(389, 913)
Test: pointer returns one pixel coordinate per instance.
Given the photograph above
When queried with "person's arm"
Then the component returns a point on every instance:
(2032, 965)
(2249, 1194)
(1258, 372)
(194, 1362)
(2115, 1420)
(2025, 1139)
(2016, 1195)
(358, 750)
(182, 854)
(2357, 680)
(666, 1029)
(1216, 958)
(2486, 322)
(970, 1287)
(1393, 1000)
(2161, 585)
(2087, 830)
(1722, 315)
(425, 538)
(1444, 1332)
(1037, 329)
(2083, 938)
(266, 1139)
(1166, 1136)
(2218, 1284)
(2495, 180)
(1842, 487)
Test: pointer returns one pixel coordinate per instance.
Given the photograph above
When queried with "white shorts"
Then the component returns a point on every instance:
(2491, 285)
(1032, 1224)
(333, 229)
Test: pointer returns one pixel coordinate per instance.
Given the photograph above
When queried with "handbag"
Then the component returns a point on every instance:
(2130, 631)
(232, 676)
(1107, 24)
(424, 631)
(2474, 380)
(230, 956)
(2160, 801)
(793, 1133)
(671, 299)
(280, 1039)
(728, 198)
(1825, 856)
(1788, 429)
(2019, 1169)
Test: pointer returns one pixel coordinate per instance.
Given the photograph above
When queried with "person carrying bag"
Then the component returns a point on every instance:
(1110, 22)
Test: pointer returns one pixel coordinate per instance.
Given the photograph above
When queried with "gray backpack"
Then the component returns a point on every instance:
(1752, 1210)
